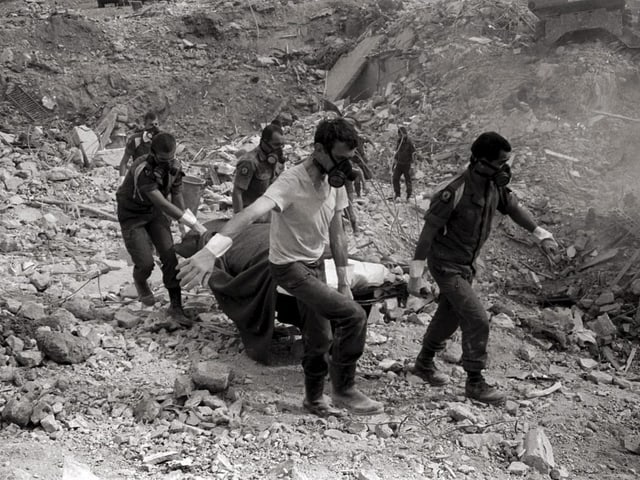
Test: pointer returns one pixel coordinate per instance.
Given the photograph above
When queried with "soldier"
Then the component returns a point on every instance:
(306, 204)
(139, 143)
(144, 211)
(457, 224)
(256, 170)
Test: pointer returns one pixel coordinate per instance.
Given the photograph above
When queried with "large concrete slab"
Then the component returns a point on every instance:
(349, 66)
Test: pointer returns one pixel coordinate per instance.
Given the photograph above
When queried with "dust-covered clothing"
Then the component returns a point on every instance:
(253, 175)
(404, 151)
(300, 228)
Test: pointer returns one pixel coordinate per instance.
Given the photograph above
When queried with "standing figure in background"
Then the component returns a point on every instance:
(403, 163)
(140, 143)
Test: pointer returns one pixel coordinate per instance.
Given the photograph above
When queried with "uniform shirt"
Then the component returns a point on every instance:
(405, 151)
(136, 146)
(462, 214)
(253, 176)
(299, 229)
(145, 176)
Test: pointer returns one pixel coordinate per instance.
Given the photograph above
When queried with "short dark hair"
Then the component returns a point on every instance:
(328, 132)
(150, 115)
(489, 145)
(269, 130)
(163, 142)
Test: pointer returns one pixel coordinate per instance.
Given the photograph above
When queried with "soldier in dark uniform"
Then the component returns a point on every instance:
(144, 212)
(403, 162)
(256, 170)
(457, 224)
(139, 143)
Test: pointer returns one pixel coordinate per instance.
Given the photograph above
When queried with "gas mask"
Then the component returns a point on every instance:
(171, 166)
(500, 176)
(340, 173)
(274, 155)
(148, 133)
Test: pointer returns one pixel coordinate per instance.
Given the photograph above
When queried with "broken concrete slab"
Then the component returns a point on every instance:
(538, 453)
(348, 67)
(63, 347)
(212, 375)
(86, 140)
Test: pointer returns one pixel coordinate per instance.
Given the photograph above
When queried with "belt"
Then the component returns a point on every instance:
(316, 264)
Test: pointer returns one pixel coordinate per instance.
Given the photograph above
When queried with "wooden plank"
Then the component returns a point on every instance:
(603, 257)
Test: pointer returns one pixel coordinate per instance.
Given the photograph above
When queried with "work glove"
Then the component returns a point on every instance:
(414, 286)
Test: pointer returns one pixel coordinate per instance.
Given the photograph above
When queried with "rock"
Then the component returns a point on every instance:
(182, 387)
(14, 343)
(41, 281)
(7, 374)
(374, 338)
(368, 475)
(466, 469)
(526, 353)
(18, 411)
(49, 424)
(61, 174)
(29, 358)
(147, 410)
(605, 298)
(631, 443)
(126, 319)
(212, 375)
(390, 365)
(161, 457)
(479, 440)
(452, 353)
(80, 308)
(518, 468)
(460, 412)
(33, 311)
(587, 363)
(62, 347)
(635, 286)
(600, 377)
(503, 320)
(603, 326)
(538, 453)
(511, 407)
(383, 430)
(623, 383)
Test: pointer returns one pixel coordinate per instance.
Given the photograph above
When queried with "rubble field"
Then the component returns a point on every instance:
(93, 384)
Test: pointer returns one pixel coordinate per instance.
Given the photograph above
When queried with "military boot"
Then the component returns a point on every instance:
(145, 295)
(315, 401)
(426, 369)
(346, 395)
(478, 389)
(175, 311)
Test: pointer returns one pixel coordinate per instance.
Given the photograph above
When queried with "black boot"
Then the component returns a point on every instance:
(145, 295)
(315, 401)
(175, 310)
(426, 369)
(478, 389)
(346, 395)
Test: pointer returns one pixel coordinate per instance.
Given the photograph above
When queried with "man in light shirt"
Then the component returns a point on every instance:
(306, 202)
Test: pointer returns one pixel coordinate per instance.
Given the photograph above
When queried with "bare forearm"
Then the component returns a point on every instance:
(178, 201)
(523, 217)
(236, 199)
(246, 217)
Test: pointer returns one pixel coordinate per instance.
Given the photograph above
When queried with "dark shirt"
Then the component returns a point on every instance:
(133, 202)
(462, 214)
(404, 151)
(136, 146)
(253, 175)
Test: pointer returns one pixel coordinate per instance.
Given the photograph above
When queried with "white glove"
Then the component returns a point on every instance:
(188, 219)
(540, 234)
(219, 244)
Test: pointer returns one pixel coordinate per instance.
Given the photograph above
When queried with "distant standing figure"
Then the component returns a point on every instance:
(140, 143)
(403, 161)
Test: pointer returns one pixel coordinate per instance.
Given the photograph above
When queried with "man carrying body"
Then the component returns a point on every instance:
(403, 160)
(306, 202)
(139, 143)
(457, 224)
(256, 170)
(143, 211)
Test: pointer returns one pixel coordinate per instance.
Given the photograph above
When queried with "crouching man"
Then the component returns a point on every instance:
(306, 202)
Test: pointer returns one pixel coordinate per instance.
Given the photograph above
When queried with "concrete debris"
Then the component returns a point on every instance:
(538, 452)
(62, 347)
(212, 375)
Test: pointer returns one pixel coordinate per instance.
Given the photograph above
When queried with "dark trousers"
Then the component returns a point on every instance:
(140, 237)
(402, 169)
(332, 323)
(458, 306)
